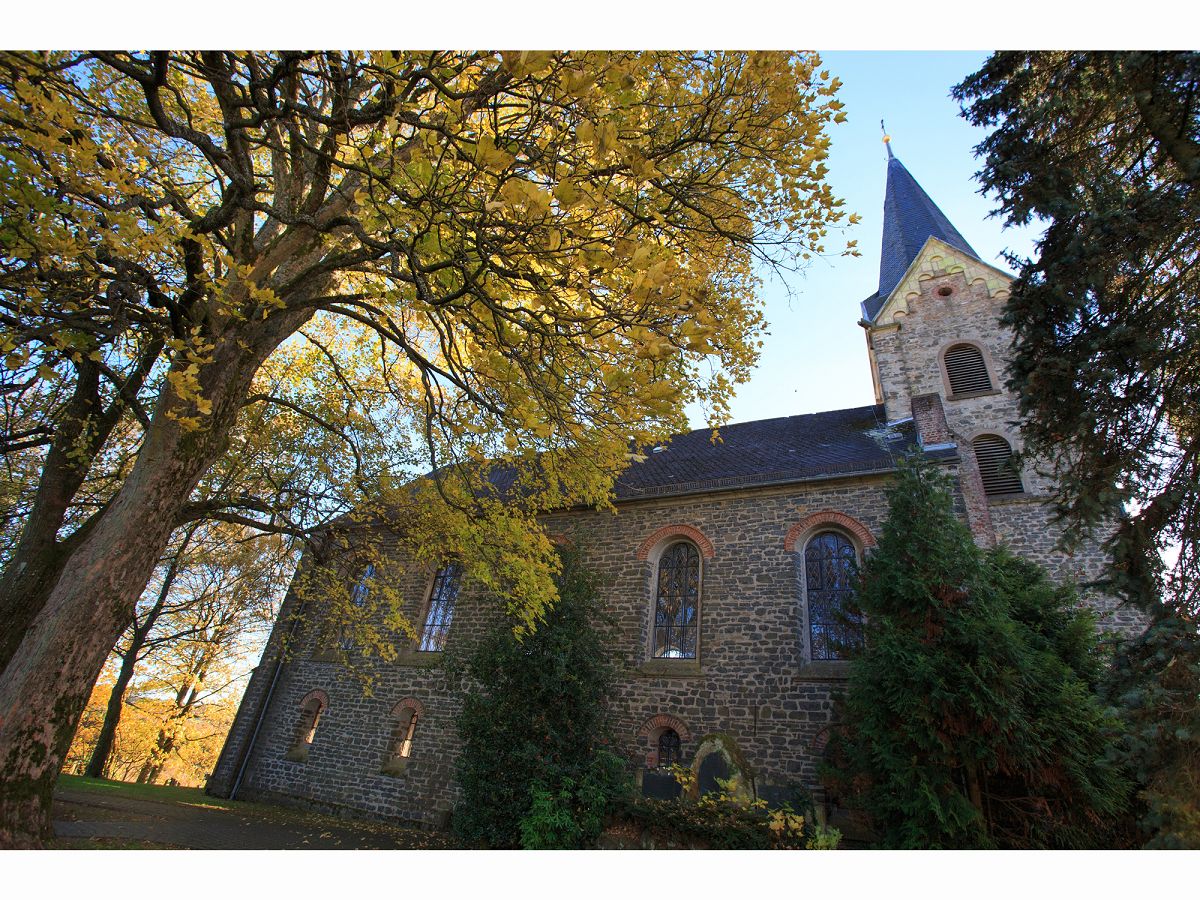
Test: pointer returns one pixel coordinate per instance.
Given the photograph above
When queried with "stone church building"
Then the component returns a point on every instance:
(727, 565)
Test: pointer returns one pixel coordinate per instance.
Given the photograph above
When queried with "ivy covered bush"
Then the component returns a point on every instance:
(537, 769)
(720, 821)
(971, 718)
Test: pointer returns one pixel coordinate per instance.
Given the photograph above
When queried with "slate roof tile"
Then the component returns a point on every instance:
(791, 448)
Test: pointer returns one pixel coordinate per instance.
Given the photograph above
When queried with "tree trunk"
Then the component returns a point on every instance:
(975, 795)
(141, 632)
(98, 761)
(169, 733)
(37, 560)
(46, 685)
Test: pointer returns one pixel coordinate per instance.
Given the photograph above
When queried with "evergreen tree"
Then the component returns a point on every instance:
(970, 719)
(1105, 149)
(1155, 685)
(535, 768)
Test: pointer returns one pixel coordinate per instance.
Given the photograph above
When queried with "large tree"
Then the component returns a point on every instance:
(554, 252)
(1104, 150)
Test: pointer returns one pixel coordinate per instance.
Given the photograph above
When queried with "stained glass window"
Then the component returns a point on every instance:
(830, 575)
(441, 608)
(359, 595)
(675, 606)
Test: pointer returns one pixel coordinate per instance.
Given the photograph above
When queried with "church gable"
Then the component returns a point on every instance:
(935, 260)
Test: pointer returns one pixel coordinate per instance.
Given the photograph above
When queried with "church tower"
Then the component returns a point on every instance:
(939, 354)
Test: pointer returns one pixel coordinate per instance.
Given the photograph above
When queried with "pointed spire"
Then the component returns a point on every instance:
(910, 218)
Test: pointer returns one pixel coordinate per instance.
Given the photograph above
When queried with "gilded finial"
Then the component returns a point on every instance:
(887, 138)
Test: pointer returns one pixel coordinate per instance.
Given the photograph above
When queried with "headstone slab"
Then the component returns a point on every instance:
(718, 757)
(714, 766)
(660, 785)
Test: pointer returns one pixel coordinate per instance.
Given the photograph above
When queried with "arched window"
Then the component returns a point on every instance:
(669, 747)
(441, 608)
(312, 707)
(966, 371)
(676, 602)
(358, 599)
(363, 589)
(830, 576)
(997, 466)
(403, 737)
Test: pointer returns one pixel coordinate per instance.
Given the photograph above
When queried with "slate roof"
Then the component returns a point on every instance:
(771, 451)
(838, 443)
(910, 218)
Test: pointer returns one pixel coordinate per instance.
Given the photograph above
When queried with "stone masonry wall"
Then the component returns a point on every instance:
(1028, 528)
(753, 678)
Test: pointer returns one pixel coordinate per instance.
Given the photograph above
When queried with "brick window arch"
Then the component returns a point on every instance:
(683, 532)
(663, 737)
(828, 518)
(997, 466)
(312, 708)
(405, 716)
(966, 370)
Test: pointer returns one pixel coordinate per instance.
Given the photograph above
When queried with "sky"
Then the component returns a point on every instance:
(815, 358)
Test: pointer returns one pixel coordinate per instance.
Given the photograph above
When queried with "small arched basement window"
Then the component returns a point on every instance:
(676, 602)
(997, 466)
(830, 578)
(966, 370)
(440, 612)
(400, 742)
(312, 707)
(669, 747)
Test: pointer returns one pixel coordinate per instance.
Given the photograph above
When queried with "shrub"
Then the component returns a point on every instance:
(571, 813)
(535, 768)
(718, 821)
(1155, 684)
(970, 719)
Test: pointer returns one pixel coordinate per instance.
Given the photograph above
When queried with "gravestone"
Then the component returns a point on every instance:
(719, 758)
(714, 766)
(660, 785)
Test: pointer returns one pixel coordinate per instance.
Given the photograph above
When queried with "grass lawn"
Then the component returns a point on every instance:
(159, 792)
(297, 821)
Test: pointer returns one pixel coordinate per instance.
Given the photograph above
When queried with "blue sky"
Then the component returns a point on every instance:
(816, 358)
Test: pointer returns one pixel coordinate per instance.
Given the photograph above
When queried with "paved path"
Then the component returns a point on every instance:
(86, 814)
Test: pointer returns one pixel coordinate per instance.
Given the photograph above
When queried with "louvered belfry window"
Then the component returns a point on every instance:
(966, 370)
(997, 466)
(676, 602)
